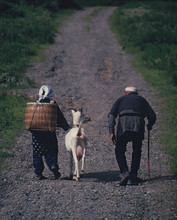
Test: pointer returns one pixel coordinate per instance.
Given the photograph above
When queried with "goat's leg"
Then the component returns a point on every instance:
(71, 164)
(76, 171)
(83, 163)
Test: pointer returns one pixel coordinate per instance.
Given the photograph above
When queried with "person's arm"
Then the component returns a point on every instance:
(151, 116)
(111, 120)
(112, 123)
(61, 121)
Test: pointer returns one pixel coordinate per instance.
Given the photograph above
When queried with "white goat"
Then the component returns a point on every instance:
(75, 142)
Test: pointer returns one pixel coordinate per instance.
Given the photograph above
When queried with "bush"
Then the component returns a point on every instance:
(20, 36)
(151, 30)
(13, 108)
(161, 57)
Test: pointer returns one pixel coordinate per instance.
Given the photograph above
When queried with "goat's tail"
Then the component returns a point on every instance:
(79, 133)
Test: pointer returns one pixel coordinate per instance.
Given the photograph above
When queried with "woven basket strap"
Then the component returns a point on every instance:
(45, 117)
(33, 116)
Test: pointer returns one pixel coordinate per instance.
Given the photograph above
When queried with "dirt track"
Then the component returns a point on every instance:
(89, 70)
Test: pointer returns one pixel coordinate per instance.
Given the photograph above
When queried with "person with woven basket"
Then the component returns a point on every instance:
(45, 143)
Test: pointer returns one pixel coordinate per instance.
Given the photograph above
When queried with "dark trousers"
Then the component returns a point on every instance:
(51, 160)
(136, 155)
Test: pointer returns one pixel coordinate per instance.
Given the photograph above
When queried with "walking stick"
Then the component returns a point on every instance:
(148, 154)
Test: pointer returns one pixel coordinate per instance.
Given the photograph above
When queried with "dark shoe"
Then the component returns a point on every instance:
(134, 181)
(124, 178)
(41, 177)
(55, 172)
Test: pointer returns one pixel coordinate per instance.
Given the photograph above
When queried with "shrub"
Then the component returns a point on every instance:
(13, 108)
(20, 36)
(150, 29)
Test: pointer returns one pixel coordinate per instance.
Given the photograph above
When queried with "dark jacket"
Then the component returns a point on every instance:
(131, 109)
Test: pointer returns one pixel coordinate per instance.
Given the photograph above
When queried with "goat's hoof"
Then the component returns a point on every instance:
(82, 173)
(76, 178)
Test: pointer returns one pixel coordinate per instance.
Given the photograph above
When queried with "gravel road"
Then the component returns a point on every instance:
(88, 69)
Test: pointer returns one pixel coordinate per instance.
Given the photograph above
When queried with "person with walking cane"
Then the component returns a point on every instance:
(131, 110)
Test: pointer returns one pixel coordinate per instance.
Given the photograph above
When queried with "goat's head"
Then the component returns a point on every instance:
(77, 116)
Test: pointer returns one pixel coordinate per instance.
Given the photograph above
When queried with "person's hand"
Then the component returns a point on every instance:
(149, 127)
(113, 139)
(52, 101)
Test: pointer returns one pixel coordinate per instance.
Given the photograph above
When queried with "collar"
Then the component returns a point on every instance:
(133, 93)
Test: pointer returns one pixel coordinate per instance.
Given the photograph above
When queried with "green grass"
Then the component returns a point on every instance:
(92, 15)
(149, 31)
(87, 28)
(12, 110)
(23, 33)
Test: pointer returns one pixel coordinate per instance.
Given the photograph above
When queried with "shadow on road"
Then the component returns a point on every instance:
(113, 176)
(107, 176)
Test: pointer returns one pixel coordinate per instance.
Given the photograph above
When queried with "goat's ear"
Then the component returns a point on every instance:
(72, 111)
(80, 110)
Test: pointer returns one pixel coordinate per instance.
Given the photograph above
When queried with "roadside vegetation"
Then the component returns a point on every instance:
(11, 122)
(149, 30)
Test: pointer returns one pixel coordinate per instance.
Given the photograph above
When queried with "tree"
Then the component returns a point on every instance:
(68, 4)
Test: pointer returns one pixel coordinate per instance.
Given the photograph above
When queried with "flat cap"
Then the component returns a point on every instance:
(131, 89)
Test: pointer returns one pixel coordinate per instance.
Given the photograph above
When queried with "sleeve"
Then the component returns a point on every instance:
(112, 122)
(61, 121)
(151, 116)
(112, 116)
(114, 109)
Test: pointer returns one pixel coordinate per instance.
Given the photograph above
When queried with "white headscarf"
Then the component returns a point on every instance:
(46, 92)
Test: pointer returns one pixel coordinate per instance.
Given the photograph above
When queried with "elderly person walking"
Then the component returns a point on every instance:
(44, 142)
(131, 110)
